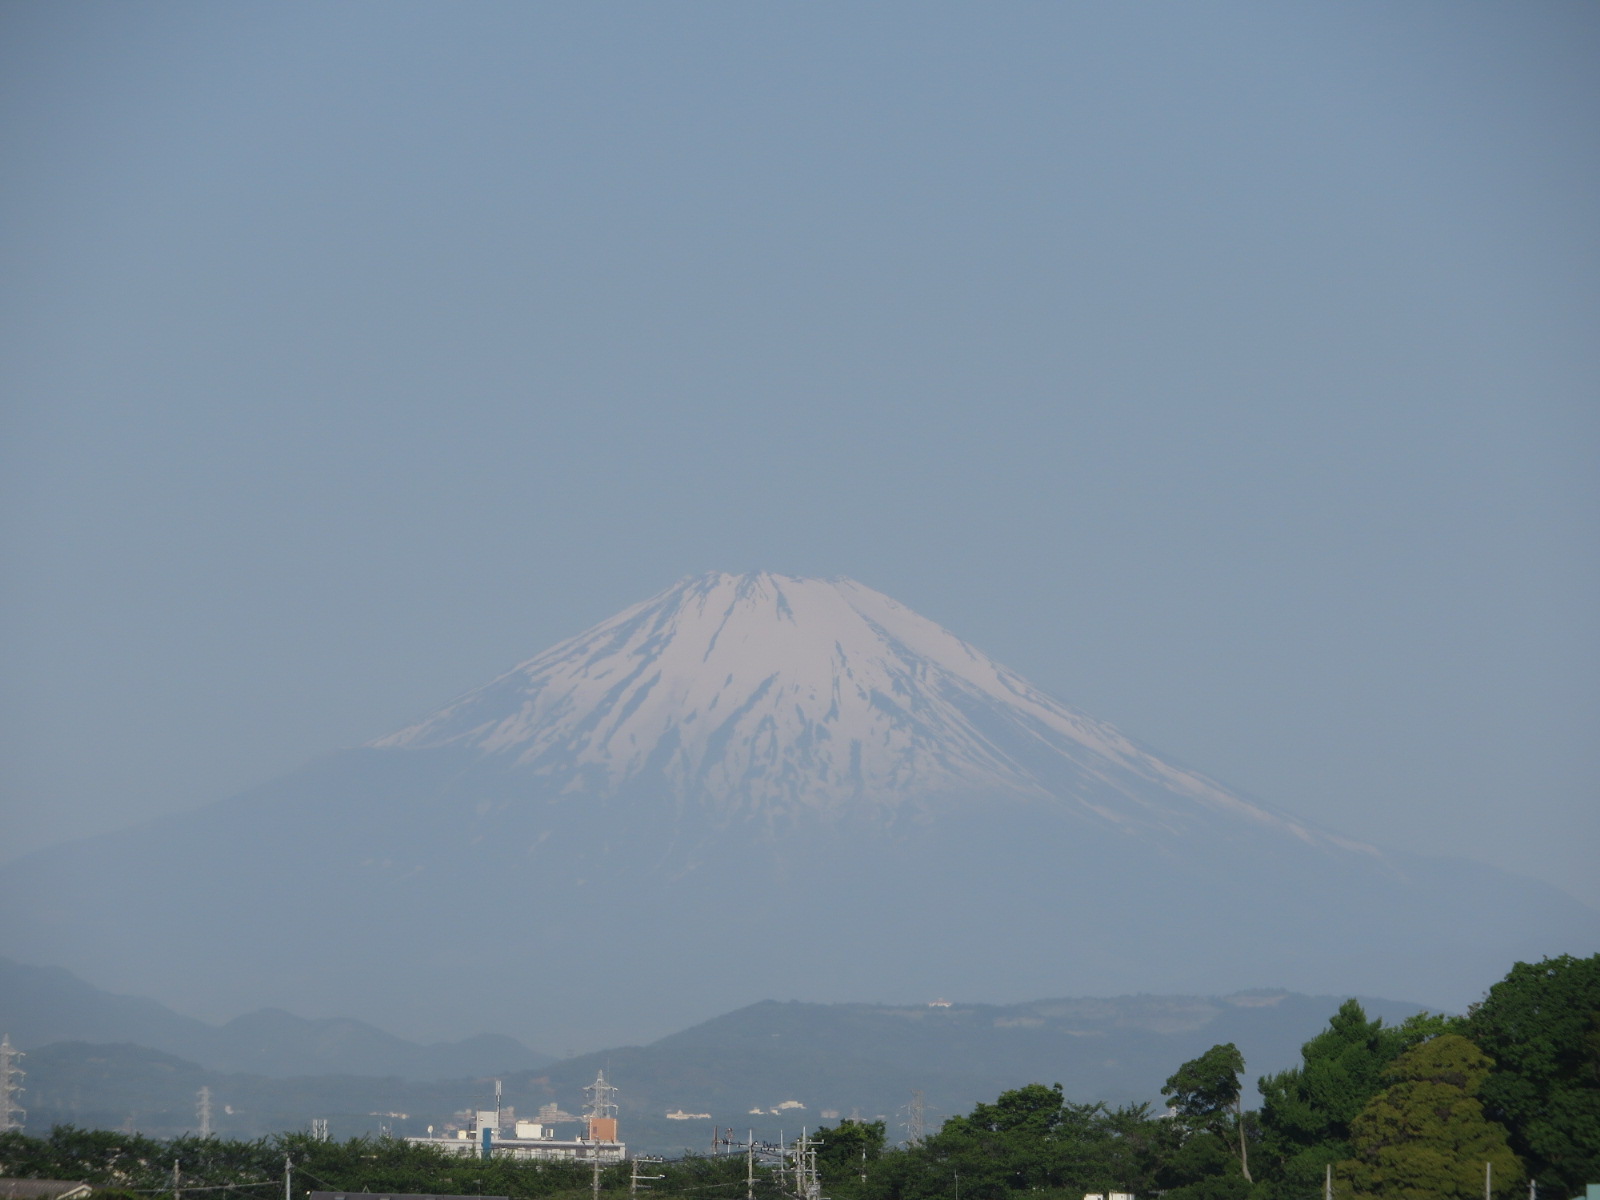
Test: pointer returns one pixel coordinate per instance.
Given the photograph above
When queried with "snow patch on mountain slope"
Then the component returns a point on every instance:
(762, 690)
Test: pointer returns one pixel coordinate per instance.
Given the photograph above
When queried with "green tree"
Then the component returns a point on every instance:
(1425, 1136)
(1009, 1145)
(1306, 1110)
(1030, 1139)
(1205, 1092)
(1137, 1145)
(1541, 1026)
(847, 1151)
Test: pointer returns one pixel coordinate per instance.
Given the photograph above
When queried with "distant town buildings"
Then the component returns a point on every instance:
(778, 1110)
(497, 1131)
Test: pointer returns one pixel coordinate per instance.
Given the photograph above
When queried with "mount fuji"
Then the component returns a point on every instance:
(752, 787)
(784, 700)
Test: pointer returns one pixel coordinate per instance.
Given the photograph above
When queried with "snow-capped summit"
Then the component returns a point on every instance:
(762, 690)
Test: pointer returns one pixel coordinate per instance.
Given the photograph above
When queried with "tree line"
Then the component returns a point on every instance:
(1435, 1108)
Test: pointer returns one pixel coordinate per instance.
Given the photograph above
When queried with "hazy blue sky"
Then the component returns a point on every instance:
(1230, 370)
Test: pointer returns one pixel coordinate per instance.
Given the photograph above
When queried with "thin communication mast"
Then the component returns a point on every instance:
(12, 1114)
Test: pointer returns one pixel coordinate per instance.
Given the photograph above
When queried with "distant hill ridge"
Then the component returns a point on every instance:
(772, 1067)
(39, 1005)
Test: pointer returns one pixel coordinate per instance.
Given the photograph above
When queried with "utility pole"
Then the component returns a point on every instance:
(1487, 1176)
(202, 1111)
(12, 1114)
(1327, 1182)
(288, 1172)
(635, 1177)
(176, 1182)
(774, 1154)
(806, 1184)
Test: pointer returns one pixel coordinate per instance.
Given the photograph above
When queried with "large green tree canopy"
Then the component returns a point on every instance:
(1205, 1092)
(1425, 1136)
(1541, 1026)
(1306, 1110)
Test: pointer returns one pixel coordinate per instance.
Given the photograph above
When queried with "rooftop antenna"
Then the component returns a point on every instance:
(12, 1114)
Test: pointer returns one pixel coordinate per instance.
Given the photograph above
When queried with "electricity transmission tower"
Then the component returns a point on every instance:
(600, 1098)
(600, 1108)
(12, 1114)
(916, 1122)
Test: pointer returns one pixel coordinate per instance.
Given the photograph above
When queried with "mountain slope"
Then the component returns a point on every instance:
(747, 788)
